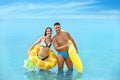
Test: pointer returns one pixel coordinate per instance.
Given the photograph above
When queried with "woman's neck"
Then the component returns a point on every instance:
(48, 36)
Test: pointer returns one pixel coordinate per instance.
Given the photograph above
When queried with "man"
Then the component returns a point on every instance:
(60, 42)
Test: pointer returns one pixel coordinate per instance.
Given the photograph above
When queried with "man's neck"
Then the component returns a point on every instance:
(59, 33)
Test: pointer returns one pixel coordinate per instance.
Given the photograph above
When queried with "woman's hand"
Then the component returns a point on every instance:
(30, 50)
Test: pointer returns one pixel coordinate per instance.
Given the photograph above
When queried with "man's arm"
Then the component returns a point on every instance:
(56, 45)
(70, 37)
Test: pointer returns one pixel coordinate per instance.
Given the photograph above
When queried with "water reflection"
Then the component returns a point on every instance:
(68, 75)
(48, 75)
(78, 77)
(40, 75)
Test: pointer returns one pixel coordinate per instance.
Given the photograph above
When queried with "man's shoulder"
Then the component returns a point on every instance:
(54, 37)
(66, 33)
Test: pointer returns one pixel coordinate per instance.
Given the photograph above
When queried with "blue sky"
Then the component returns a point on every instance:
(37, 9)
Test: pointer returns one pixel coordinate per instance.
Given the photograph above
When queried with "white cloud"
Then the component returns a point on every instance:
(73, 10)
(31, 6)
(59, 6)
(63, 17)
(110, 12)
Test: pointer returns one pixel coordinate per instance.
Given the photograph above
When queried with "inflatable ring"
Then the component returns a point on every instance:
(48, 64)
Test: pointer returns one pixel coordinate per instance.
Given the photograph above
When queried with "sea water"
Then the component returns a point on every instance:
(98, 42)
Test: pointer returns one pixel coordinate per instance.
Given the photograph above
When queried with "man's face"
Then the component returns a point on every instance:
(57, 28)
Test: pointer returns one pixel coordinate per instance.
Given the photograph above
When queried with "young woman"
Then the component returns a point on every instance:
(45, 43)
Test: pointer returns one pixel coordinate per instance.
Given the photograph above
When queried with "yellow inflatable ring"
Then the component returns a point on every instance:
(48, 64)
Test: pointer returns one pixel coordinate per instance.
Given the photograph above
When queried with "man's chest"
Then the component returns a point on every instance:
(62, 38)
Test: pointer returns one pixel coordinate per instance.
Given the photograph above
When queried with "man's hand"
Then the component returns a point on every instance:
(69, 43)
(77, 51)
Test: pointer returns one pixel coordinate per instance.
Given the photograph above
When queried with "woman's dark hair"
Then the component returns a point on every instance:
(46, 30)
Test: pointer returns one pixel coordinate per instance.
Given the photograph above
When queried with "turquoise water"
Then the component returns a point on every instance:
(98, 42)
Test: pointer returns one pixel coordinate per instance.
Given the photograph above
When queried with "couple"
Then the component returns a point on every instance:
(60, 42)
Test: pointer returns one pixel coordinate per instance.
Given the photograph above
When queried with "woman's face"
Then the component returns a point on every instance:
(49, 32)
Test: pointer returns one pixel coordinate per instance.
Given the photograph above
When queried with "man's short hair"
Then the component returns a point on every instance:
(57, 23)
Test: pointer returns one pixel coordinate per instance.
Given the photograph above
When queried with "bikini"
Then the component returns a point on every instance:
(42, 58)
(44, 44)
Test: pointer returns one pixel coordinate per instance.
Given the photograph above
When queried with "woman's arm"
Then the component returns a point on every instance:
(39, 40)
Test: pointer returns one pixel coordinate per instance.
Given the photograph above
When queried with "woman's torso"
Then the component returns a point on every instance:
(45, 46)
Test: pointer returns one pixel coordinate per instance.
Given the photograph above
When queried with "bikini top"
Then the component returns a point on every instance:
(44, 43)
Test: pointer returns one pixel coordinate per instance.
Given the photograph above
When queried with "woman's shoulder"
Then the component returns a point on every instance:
(43, 37)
